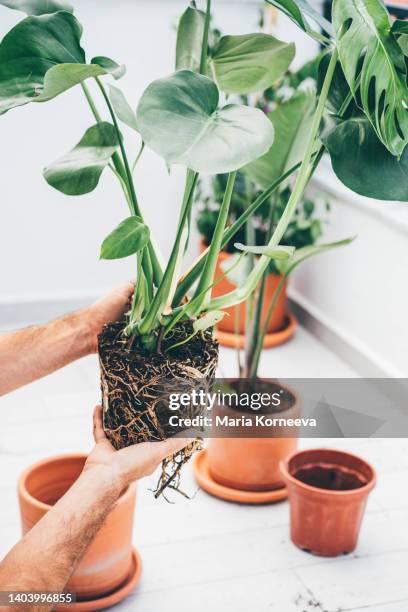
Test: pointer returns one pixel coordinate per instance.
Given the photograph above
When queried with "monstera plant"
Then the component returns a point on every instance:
(360, 118)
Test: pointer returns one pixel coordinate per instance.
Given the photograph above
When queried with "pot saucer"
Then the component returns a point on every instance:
(206, 482)
(113, 598)
(273, 339)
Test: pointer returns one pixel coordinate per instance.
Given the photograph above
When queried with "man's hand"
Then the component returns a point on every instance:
(107, 309)
(131, 463)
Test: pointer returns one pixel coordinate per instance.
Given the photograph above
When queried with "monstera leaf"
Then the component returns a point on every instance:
(363, 163)
(122, 108)
(131, 236)
(374, 66)
(292, 121)
(110, 66)
(400, 29)
(41, 57)
(178, 117)
(38, 7)
(250, 62)
(359, 158)
(189, 39)
(298, 11)
(78, 171)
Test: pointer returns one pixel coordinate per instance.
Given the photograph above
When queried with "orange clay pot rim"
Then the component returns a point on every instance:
(284, 466)
(33, 501)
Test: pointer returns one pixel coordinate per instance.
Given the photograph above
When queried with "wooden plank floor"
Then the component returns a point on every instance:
(208, 554)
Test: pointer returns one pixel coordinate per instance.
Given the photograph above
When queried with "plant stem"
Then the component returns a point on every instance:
(122, 149)
(138, 156)
(118, 167)
(204, 46)
(193, 273)
(255, 324)
(157, 272)
(162, 293)
(207, 275)
(253, 365)
(241, 293)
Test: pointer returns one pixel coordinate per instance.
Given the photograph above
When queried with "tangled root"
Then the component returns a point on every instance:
(136, 384)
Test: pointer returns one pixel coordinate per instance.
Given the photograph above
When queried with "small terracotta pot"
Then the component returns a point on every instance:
(328, 491)
(108, 560)
(229, 323)
(251, 464)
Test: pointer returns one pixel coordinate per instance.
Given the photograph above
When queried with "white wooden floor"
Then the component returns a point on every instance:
(207, 554)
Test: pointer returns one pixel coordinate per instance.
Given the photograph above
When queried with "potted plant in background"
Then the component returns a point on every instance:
(351, 122)
(288, 104)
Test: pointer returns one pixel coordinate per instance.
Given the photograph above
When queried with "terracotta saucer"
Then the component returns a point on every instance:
(113, 598)
(206, 482)
(274, 339)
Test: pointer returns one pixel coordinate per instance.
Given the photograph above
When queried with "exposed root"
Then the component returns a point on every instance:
(170, 476)
(136, 385)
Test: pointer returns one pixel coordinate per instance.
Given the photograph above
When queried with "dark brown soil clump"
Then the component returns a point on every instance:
(136, 384)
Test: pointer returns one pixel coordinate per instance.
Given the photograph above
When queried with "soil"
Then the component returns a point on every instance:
(136, 384)
(330, 477)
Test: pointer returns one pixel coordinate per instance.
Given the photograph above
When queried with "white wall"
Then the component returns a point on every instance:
(49, 243)
(359, 292)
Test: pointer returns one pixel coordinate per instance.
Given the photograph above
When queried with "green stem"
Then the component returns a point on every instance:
(185, 311)
(251, 345)
(241, 293)
(252, 367)
(122, 149)
(150, 320)
(138, 156)
(118, 168)
(207, 275)
(157, 271)
(194, 272)
(204, 46)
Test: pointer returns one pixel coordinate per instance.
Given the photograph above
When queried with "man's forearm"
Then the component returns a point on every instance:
(34, 352)
(60, 539)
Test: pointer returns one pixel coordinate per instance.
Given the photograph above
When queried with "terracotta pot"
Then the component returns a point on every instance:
(229, 323)
(328, 491)
(251, 464)
(108, 560)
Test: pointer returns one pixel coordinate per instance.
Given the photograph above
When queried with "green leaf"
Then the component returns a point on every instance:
(122, 107)
(38, 7)
(363, 164)
(374, 67)
(403, 43)
(41, 57)
(292, 121)
(78, 171)
(110, 66)
(400, 26)
(178, 117)
(211, 318)
(62, 77)
(250, 62)
(306, 252)
(189, 39)
(31, 48)
(298, 10)
(400, 30)
(131, 236)
(278, 252)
